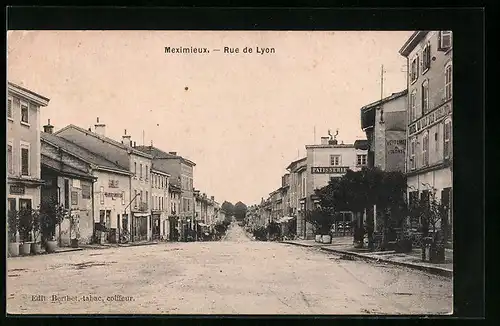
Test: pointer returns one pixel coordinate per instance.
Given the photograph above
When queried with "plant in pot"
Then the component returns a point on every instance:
(13, 222)
(36, 246)
(51, 215)
(25, 228)
(322, 220)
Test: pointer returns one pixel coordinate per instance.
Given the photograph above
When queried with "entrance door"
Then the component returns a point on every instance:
(156, 227)
(141, 228)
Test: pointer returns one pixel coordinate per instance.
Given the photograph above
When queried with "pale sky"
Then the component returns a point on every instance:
(244, 117)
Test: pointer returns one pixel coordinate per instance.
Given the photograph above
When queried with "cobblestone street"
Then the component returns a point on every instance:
(233, 276)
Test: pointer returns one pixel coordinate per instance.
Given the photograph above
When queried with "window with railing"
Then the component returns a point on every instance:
(447, 139)
(448, 76)
(425, 149)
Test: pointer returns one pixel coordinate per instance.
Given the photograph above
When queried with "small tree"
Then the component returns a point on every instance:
(274, 230)
(322, 219)
(25, 224)
(36, 224)
(51, 215)
(13, 220)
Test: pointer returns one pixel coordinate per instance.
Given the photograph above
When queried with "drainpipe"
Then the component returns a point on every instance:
(93, 210)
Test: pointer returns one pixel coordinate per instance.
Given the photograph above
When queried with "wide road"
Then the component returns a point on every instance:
(233, 276)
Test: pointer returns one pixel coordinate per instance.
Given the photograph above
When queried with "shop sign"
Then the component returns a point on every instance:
(113, 194)
(329, 169)
(429, 119)
(17, 189)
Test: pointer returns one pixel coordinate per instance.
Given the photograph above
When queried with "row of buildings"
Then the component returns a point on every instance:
(409, 131)
(117, 191)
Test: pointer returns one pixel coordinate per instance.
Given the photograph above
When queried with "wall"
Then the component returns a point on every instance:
(140, 183)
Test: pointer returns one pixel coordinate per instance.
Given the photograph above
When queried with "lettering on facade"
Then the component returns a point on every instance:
(429, 119)
(17, 189)
(113, 184)
(329, 169)
(113, 194)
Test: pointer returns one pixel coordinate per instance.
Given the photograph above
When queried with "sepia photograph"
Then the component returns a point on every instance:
(190, 172)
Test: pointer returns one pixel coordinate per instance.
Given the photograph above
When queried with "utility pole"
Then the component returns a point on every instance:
(382, 83)
(143, 135)
(314, 140)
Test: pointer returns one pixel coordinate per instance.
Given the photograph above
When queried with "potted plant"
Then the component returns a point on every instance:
(13, 223)
(25, 228)
(322, 220)
(36, 246)
(51, 215)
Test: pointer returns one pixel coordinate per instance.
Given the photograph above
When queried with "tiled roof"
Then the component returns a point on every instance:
(56, 165)
(79, 151)
(361, 144)
(391, 97)
(104, 138)
(159, 154)
(295, 162)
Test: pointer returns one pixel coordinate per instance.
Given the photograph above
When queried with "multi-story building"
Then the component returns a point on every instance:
(429, 151)
(324, 162)
(297, 192)
(88, 185)
(384, 123)
(181, 175)
(159, 203)
(23, 147)
(128, 158)
(174, 194)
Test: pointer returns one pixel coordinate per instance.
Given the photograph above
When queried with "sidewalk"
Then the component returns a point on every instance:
(344, 246)
(43, 252)
(119, 245)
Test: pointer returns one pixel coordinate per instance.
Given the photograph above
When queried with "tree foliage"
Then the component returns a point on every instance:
(322, 219)
(228, 207)
(240, 211)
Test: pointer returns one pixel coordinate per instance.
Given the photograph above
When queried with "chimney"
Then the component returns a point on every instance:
(134, 145)
(324, 140)
(48, 128)
(173, 153)
(126, 139)
(100, 128)
(333, 142)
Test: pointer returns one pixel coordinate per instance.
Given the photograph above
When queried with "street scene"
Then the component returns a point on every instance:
(218, 172)
(233, 276)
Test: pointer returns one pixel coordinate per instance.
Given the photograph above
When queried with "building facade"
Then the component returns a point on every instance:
(429, 134)
(324, 162)
(136, 215)
(174, 194)
(95, 201)
(160, 205)
(181, 174)
(384, 123)
(298, 177)
(23, 147)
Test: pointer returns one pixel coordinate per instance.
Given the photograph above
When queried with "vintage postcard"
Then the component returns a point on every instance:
(229, 172)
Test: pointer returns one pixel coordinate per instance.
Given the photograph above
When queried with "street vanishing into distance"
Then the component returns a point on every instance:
(233, 276)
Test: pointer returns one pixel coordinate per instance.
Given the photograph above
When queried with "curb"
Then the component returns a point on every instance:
(46, 253)
(429, 269)
(299, 244)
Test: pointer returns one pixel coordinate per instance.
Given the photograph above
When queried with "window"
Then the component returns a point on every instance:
(425, 97)
(9, 107)
(24, 112)
(426, 58)
(10, 165)
(102, 195)
(448, 76)
(361, 159)
(414, 69)
(123, 197)
(425, 149)
(85, 191)
(413, 163)
(147, 198)
(24, 203)
(447, 139)
(141, 199)
(140, 171)
(25, 159)
(147, 172)
(445, 40)
(135, 198)
(135, 169)
(413, 105)
(335, 160)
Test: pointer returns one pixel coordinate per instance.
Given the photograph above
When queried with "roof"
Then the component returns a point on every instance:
(295, 162)
(393, 96)
(410, 44)
(157, 153)
(80, 152)
(331, 146)
(26, 93)
(361, 144)
(63, 168)
(104, 138)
